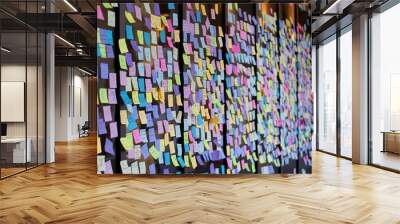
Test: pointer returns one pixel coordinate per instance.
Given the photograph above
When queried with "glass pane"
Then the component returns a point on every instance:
(13, 86)
(386, 89)
(31, 99)
(41, 99)
(327, 96)
(346, 94)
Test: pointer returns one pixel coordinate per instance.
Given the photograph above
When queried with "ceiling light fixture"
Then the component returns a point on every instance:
(64, 40)
(70, 5)
(84, 71)
(5, 50)
(331, 7)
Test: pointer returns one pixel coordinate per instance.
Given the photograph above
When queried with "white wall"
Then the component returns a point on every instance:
(71, 102)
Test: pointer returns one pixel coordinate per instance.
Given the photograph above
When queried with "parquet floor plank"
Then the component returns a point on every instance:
(70, 191)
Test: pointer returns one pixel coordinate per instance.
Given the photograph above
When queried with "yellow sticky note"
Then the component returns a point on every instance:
(140, 36)
(124, 116)
(170, 100)
(142, 116)
(155, 22)
(122, 46)
(129, 17)
(135, 97)
(203, 10)
(103, 95)
(193, 161)
(98, 145)
(177, 37)
(172, 147)
(149, 98)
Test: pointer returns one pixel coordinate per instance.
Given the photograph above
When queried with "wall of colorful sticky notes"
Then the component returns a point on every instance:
(204, 88)
(107, 124)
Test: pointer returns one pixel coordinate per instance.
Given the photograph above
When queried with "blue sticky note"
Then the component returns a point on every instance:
(141, 69)
(132, 122)
(140, 53)
(145, 151)
(146, 36)
(171, 6)
(142, 100)
(167, 158)
(181, 162)
(141, 85)
(175, 19)
(125, 98)
(104, 70)
(129, 32)
(149, 120)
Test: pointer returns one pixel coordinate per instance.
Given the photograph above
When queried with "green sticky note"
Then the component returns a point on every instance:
(154, 152)
(186, 59)
(122, 46)
(127, 142)
(103, 95)
(103, 53)
(107, 5)
(122, 62)
(140, 36)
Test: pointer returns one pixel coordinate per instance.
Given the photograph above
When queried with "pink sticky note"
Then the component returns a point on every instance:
(148, 70)
(107, 113)
(132, 69)
(160, 128)
(169, 41)
(136, 136)
(99, 13)
(170, 28)
(113, 130)
(113, 80)
(122, 78)
(163, 65)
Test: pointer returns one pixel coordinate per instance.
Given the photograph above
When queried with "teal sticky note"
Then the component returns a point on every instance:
(146, 36)
(162, 36)
(129, 32)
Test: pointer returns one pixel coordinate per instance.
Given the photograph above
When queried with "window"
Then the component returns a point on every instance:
(346, 94)
(385, 89)
(327, 96)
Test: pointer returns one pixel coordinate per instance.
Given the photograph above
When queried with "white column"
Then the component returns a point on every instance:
(360, 90)
(50, 92)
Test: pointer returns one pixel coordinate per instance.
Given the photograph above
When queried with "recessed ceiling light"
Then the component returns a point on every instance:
(5, 50)
(70, 5)
(64, 40)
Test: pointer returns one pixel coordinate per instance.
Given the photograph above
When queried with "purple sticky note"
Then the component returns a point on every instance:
(145, 151)
(108, 167)
(156, 9)
(113, 130)
(110, 51)
(128, 57)
(113, 80)
(152, 168)
(101, 126)
(147, 21)
(112, 97)
(138, 13)
(104, 70)
(109, 147)
(131, 154)
(129, 7)
(107, 113)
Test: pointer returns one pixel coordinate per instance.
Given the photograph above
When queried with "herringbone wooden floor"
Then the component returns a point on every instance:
(69, 191)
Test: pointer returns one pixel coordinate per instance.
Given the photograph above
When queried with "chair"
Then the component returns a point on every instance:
(84, 130)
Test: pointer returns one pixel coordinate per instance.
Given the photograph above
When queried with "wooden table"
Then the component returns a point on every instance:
(391, 141)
